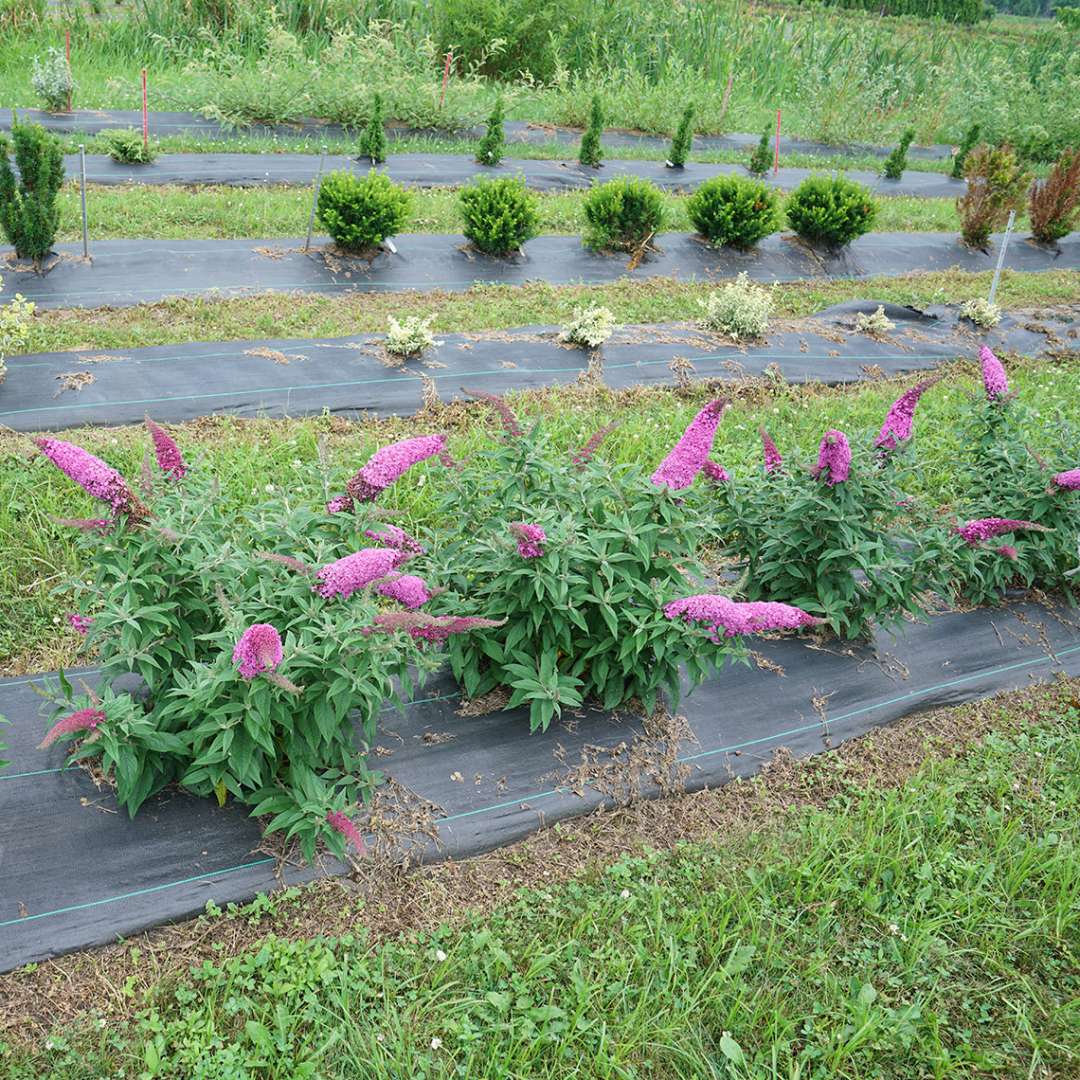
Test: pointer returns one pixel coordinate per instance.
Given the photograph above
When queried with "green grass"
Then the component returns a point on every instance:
(168, 212)
(246, 455)
(280, 315)
(930, 930)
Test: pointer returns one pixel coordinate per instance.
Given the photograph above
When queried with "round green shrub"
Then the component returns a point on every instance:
(830, 212)
(361, 213)
(734, 211)
(622, 214)
(499, 214)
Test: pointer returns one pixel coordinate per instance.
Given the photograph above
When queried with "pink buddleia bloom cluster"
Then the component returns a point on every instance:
(530, 539)
(1067, 481)
(680, 468)
(344, 576)
(737, 618)
(586, 452)
(343, 824)
(386, 465)
(1007, 551)
(83, 720)
(90, 473)
(995, 380)
(406, 589)
(834, 458)
(169, 458)
(393, 537)
(430, 628)
(506, 414)
(257, 651)
(98, 525)
(976, 532)
(716, 473)
(773, 461)
(900, 419)
(80, 623)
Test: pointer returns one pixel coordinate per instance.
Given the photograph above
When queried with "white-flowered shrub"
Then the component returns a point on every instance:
(738, 308)
(981, 312)
(589, 328)
(876, 325)
(14, 328)
(51, 79)
(411, 337)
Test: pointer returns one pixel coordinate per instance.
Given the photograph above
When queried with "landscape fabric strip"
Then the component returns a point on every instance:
(349, 376)
(125, 272)
(456, 170)
(75, 872)
(83, 122)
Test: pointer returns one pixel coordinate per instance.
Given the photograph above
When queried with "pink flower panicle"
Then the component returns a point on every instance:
(900, 419)
(993, 372)
(257, 651)
(83, 720)
(834, 458)
(345, 576)
(407, 589)
(716, 473)
(530, 539)
(169, 458)
(1007, 551)
(585, 454)
(680, 468)
(773, 461)
(1067, 481)
(343, 824)
(386, 465)
(80, 623)
(394, 537)
(721, 613)
(91, 474)
(975, 532)
(506, 414)
(431, 628)
(340, 504)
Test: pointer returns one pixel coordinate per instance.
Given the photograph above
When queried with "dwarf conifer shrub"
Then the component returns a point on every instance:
(734, 211)
(623, 215)
(490, 150)
(1054, 203)
(996, 184)
(896, 162)
(29, 215)
(51, 79)
(830, 212)
(682, 140)
(127, 147)
(499, 214)
(970, 139)
(360, 213)
(590, 153)
(373, 140)
(760, 159)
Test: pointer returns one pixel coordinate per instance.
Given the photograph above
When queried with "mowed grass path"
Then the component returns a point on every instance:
(930, 930)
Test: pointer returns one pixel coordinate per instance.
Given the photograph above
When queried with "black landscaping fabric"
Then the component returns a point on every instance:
(455, 170)
(350, 376)
(75, 872)
(90, 122)
(124, 272)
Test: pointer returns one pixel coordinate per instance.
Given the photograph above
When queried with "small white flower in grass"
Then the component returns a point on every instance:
(894, 929)
(269, 489)
(380, 1037)
(436, 1043)
(296, 463)
(625, 894)
(440, 955)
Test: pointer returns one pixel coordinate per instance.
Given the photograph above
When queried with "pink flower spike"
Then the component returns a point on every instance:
(586, 452)
(530, 539)
(716, 473)
(506, 414)
(83, 720)
(169, 458)
(257, 651)
(735, 618)
(406, 589)
(423, 627)
(1067, 481)
(834, 458)
(343, 577)
(90, 473)
(343, 824)
(389, 463)
(995, 381)
(340, 504)
(1007, 551)
(686, 458)
(975, 532)
(98, 525)
(773, 460)
(900, 419)
(80, 623)
(393, 537)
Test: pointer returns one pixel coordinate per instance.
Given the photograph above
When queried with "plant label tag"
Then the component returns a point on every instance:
(390, 245)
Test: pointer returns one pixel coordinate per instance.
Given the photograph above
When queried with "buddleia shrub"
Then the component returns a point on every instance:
(830, 212)
(500, 215)
(257, 638)
(360, 213)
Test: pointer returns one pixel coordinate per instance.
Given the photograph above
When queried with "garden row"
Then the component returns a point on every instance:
(565, 579)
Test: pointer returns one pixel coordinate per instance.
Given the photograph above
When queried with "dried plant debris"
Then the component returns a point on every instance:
(72, 380)
(264, 352)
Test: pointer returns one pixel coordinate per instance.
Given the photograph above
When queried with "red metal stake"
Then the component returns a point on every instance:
(446, 76)
(776, 152)
(145, 117)
(67, 50)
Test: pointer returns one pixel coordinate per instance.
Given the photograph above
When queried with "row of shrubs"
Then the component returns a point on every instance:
(564, 578)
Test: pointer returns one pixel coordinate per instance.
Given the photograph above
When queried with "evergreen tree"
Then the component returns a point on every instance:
(490, 151)
(684, 137)
(896, 162)
(373, 141)
(761, 159)
(966, 144)
(29, 215)
(591, 152)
